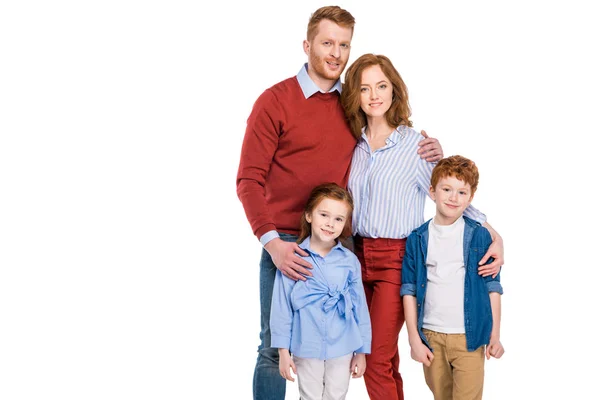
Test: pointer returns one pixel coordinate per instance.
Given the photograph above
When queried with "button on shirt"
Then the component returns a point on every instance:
(325, 316)
(390, 185)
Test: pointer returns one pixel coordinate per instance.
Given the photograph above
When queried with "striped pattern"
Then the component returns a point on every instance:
(390, 186)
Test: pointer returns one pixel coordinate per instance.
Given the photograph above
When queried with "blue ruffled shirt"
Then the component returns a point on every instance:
(325, 316)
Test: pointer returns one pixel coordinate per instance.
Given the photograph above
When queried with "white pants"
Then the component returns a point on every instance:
(323, 379)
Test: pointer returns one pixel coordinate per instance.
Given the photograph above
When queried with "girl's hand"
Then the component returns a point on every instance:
(285, 364)
(358, 365)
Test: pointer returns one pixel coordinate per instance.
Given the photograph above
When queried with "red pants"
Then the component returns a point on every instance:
(381, 262)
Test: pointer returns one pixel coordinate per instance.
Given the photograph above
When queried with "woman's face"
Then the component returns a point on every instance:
(376, 92)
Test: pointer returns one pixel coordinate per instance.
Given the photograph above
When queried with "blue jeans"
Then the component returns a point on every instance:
(267, 383)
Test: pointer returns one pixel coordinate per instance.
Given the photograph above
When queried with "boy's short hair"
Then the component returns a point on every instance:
(333, 13)
(459, 167)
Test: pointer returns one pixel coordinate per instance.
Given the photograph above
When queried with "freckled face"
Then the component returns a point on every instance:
(376, 92)
(328, 52)
(452, 197)
(327, 220)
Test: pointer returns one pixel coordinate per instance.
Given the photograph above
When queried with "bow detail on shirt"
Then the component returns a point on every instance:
(313, 291)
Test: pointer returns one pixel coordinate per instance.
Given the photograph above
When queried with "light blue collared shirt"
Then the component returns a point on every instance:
(309, 87)
(390, 185)
(325, 316)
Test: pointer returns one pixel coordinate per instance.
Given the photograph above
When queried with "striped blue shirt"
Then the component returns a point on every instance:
(390, 186)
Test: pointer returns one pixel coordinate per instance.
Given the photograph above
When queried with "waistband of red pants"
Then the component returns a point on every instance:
(375, 241)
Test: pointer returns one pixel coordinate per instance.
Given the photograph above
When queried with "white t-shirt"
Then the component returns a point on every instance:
(444, 297)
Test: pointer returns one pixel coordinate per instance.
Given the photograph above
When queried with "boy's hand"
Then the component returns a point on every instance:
(358, 365)
(494, 349)
(285, 363)
(421, 353)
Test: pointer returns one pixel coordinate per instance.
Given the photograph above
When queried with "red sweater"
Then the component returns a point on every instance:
(291, 145)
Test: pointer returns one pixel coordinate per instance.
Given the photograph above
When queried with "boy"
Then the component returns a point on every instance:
(451, 311)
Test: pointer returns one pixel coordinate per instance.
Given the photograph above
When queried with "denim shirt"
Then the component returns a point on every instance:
(325, 316)
(477, 307)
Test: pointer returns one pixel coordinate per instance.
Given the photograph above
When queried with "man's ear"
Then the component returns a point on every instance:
(306, 46)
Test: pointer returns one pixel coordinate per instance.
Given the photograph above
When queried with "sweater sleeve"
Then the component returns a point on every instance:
(258, 149)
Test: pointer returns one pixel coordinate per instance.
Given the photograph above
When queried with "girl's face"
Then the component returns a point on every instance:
(376, 92)
(327, 220)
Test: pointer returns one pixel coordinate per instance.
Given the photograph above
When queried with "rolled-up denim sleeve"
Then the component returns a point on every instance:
(494, 286)
(408, 289)
(409, 275)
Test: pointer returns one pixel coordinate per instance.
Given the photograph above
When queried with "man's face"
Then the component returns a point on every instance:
(328, 52)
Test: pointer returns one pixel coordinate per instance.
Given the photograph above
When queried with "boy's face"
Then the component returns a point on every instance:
(451, 197)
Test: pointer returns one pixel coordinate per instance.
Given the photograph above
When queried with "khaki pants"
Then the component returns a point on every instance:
(455, 373)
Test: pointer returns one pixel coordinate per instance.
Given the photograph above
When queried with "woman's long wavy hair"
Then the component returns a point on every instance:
(399, 112)
(326, 191)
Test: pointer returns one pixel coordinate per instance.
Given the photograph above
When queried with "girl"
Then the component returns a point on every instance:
(323, 321)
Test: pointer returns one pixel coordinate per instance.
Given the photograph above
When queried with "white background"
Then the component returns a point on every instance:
(127, 267)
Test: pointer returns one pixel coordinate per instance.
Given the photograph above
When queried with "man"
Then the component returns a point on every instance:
(296, 139)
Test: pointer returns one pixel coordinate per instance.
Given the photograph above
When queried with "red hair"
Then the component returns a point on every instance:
(332, 13)
(326, 191)
(399, 112)
(458, 167)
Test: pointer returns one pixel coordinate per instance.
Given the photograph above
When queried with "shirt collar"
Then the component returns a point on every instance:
(309, 87)
(305, 245)
(396, 136)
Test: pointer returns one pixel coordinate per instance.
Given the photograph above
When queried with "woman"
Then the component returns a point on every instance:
(389, 183)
